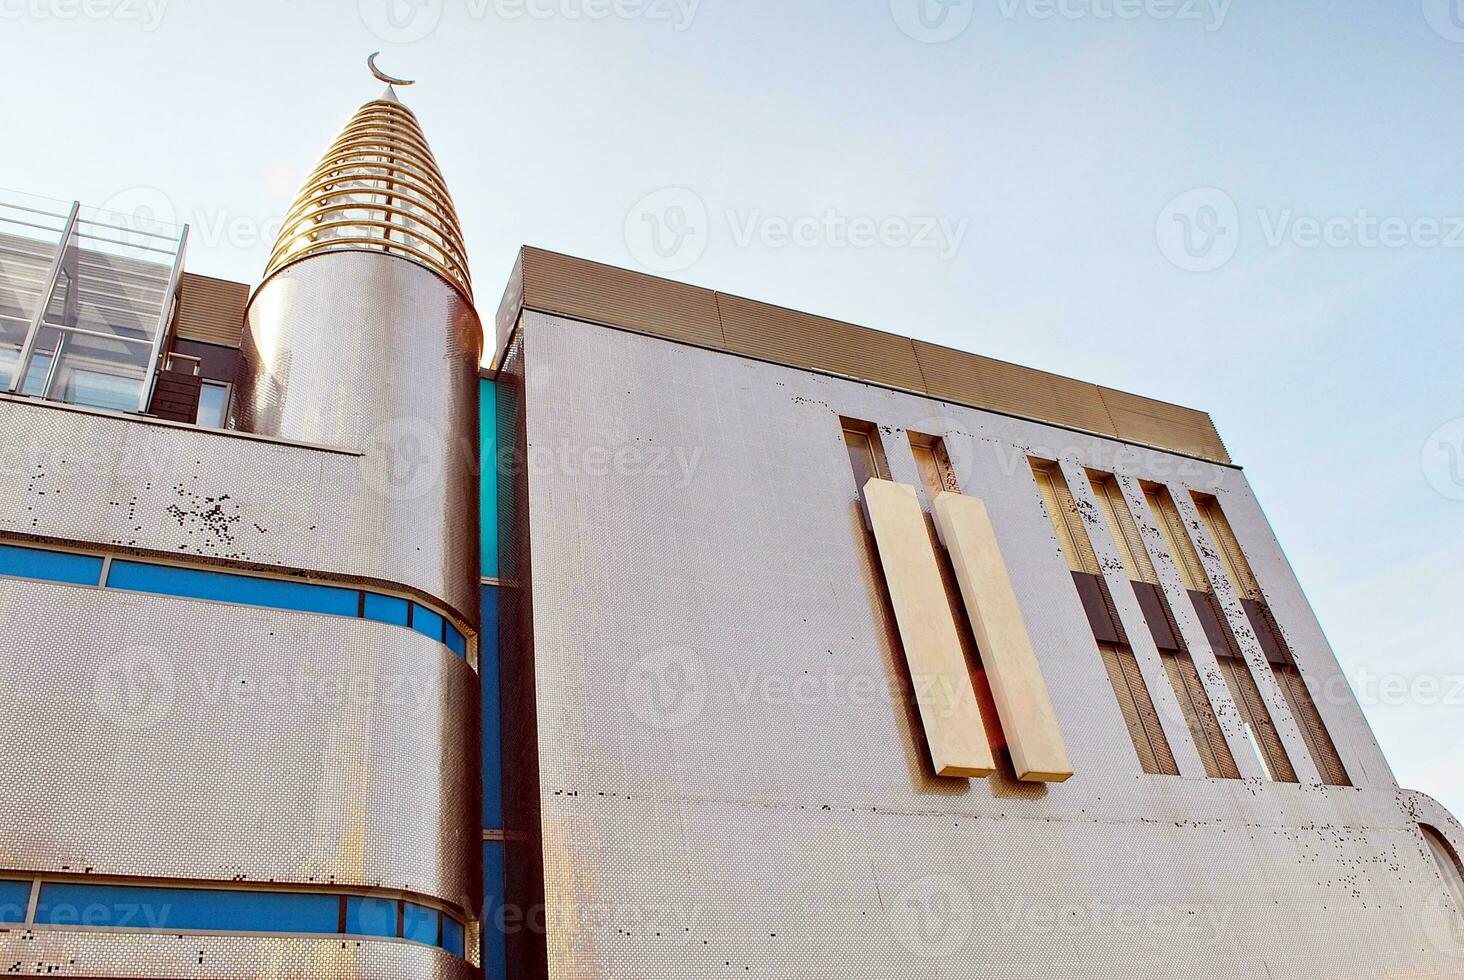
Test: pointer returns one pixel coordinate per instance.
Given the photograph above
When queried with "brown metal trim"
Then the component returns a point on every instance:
(1159, 617)
(591, 291)
(1098, 604)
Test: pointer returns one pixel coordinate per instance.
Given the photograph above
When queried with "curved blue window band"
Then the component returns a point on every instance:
(156, 909)
(248, 590)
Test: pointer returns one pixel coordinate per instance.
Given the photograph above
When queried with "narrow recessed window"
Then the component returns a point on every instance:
(1313, 729)
(213, 404)
(1199, 715)
(1255, 743)
(1260, 730)
(1135, 702)
(1123, 529)
(1138, 711)
(1179, 667)
(934, 464)
(1236, 567)
(1273, 644)
(1072, 537)
(866, 454)
(1181, 549)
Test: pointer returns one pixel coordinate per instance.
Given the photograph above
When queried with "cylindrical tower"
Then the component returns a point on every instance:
(363, 336)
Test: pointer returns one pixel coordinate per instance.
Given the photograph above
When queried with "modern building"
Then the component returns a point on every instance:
(690, 637)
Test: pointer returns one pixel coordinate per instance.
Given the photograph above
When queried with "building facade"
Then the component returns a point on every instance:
(692, 637)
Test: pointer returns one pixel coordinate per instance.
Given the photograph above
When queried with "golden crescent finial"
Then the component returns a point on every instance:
(383, 76)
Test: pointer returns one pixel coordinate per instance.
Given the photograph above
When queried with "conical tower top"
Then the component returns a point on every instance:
(377, 188)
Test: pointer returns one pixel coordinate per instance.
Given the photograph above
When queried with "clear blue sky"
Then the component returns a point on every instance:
(1057, 142)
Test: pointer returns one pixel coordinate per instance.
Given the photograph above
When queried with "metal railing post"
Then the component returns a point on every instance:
(170, 301)
(22, 365)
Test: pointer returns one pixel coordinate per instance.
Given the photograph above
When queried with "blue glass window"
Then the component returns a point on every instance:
(386, 609)
(456, 642)
(427, 622)
(14, 897)
(52, 566)
(452, 935)
(371, 917)
(198, 584)
(125, 907)
(419, 924)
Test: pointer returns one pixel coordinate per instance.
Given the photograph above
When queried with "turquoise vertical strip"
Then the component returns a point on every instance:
(488, 475)
(492, 745)
(495, 945)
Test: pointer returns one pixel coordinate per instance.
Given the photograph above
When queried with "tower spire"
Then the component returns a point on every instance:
(378, 188)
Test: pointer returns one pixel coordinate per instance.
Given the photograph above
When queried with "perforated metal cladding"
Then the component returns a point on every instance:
(102, 954)
(720, 797)
(371, 352)
(172, 738)
(194, 492)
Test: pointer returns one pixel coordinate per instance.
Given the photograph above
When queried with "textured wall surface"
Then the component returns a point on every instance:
(159, 737)
(367, 351)
(731, 777)
(111, 480)
(99, 954)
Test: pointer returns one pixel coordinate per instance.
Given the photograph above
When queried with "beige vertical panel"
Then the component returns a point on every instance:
(1022, 703)
(938, 668)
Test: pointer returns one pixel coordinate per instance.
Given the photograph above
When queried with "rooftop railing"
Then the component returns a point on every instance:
(85, 301)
